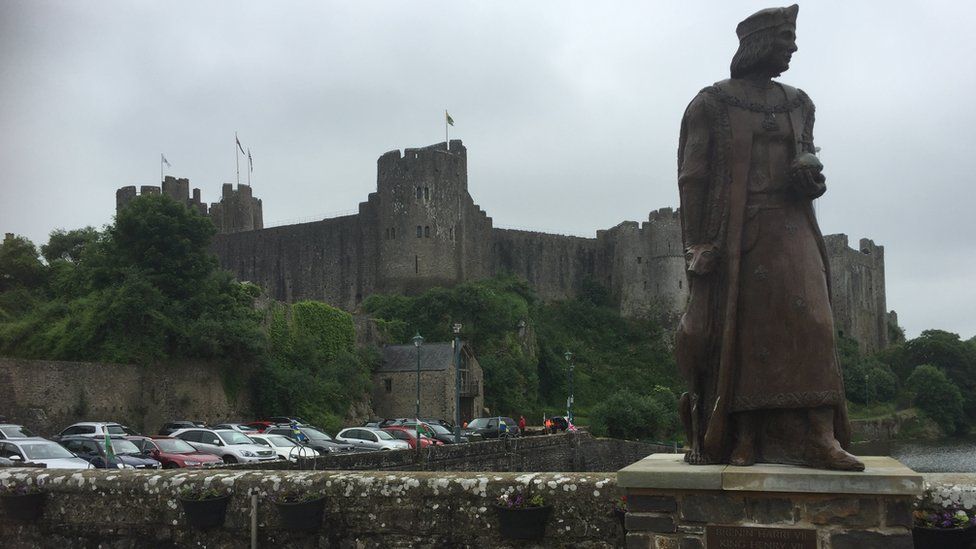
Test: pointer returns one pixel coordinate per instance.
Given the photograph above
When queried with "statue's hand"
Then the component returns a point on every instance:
(807, 175)
(701, 258)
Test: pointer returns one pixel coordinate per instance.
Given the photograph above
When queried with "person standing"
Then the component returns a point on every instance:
(521, 424)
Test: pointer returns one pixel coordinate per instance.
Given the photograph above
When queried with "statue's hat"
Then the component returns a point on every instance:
(767, 18)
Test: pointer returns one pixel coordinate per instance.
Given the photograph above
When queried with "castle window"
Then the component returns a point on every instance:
(452, 233)
(638, 259)
(645, 284)
(426, 193)
(420, 231)
(680, 283)
(388, 383)
(393, 233)
(418, 193)
(387, 233)
(427, 231)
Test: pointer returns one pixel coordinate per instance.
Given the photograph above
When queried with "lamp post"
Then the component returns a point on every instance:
(457, 382)
(569, 401)
(418, 340)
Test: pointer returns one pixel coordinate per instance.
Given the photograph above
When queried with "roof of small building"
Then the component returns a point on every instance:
(403, 358)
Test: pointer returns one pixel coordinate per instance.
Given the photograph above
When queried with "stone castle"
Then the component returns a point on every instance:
(421, 228)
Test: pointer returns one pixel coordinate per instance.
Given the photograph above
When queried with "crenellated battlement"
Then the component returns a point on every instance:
(236, 211)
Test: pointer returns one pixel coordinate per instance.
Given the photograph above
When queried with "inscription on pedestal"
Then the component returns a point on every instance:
(748, 537)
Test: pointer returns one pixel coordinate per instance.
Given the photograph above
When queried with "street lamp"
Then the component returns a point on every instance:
(569, 401)
(457, 382)
(418, 340)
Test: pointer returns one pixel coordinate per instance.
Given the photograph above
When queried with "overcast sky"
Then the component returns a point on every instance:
(569, 110)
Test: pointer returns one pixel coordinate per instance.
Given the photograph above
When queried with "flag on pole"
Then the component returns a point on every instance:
(163, 156)
(109, 451)
(450, 120)
(239, 143)
(250, 163)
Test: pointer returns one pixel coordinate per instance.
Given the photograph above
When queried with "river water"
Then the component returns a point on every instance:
(956, 455)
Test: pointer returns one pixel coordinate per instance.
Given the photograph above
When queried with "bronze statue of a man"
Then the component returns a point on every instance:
(756, 343)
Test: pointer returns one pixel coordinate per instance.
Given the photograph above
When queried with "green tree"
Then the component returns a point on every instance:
(628, 415)
(20, 266)
(938, 398)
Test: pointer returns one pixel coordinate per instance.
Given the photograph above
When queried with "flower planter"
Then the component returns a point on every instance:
(205, 513)
(524, 523)
(944, 538)
(303, 515)
(26, 507)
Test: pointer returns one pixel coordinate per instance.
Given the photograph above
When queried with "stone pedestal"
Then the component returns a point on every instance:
(675, 505)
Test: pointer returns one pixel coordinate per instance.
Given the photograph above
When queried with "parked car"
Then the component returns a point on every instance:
(92, 450)
(239, 427)
(261, 426)
(285, 447)
(489, 427)
(311, 436)
(95, 429)
(38, 450)
(561, 423)
(410, 436)
(173, 452)
(371, 439)
(231, 446)
(437, 431)
(173, 426)
(287, 420)
(10, 430)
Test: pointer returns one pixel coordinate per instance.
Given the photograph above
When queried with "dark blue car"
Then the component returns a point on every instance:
(92, 450)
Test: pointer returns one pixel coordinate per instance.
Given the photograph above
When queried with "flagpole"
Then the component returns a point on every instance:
(446, 138)
(249, 168)
(237, 158)
(160, 168)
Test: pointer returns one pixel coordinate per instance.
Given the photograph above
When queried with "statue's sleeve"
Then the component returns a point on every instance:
(806, 137)
(694, 169)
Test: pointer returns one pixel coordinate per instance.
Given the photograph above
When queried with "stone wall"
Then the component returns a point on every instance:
(579, 452)
(47, 396)
(363, 509)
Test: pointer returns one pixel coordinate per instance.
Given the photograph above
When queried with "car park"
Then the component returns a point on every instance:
(371, 439)
(126, 454)
(310, 436)
(21, 451)
(491, 427)
(10, 430)
(285, 447)
(173, 452)
(410, 436)
(231, 446)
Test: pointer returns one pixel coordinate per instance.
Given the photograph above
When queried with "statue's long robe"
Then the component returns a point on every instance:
(758, 331)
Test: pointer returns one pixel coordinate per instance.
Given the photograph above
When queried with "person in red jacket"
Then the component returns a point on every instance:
(522, 423)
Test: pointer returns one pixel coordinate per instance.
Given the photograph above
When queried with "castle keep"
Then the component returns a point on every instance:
(421, 229)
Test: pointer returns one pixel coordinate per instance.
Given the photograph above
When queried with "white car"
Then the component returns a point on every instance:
(285, 447)
(95, 429)
(39, 450)
(231, 446)
(370, 439)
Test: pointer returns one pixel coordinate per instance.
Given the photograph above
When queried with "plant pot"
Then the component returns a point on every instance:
(943, 538)
(26, 507)
(205, 513)
(525, 523)
(304, 515)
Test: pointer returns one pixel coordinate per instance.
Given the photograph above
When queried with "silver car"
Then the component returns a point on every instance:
(231, 446)
(39, 450)
(370, 439)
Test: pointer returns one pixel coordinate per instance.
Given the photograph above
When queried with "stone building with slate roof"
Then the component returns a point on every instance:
(395, 382)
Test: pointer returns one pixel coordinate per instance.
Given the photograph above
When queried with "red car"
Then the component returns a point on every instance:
(261, 426)
(173, 452)
(410, 435)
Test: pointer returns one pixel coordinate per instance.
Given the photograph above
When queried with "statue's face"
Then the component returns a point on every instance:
(782, 49)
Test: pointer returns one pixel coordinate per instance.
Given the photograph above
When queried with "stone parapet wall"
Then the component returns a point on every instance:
(563, 452)
(363, 509)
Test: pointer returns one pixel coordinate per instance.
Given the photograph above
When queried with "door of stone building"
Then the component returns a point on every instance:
(467, 409)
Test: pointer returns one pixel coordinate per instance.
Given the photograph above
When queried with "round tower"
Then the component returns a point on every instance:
(421, 203)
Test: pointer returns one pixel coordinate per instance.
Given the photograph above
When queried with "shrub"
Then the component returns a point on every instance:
(937, 398)
(626, 414)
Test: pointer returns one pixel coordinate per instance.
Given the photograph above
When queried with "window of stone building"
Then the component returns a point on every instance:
(638, 259)
(645, 284)
(393, 233)
(418, 193)
(427, 231)
(388, 383)
(426, 193)
(679, 283)
(387, 234)
(452, 233)
(420, 231)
